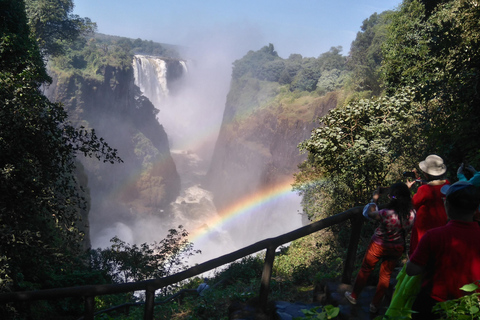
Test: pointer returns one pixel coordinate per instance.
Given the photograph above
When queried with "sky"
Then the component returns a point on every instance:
(307, 27)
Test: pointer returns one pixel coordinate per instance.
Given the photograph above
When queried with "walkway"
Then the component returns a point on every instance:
(360, 311)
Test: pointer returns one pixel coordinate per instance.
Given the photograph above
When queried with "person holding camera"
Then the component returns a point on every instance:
(387, 243)
(475, 179)
(428, 200)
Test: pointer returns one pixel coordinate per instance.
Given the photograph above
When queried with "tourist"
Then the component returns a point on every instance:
(475, 179)
(428, 200)
(448, 257)
(387, 243)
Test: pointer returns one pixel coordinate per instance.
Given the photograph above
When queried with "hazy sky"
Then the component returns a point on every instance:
(308, 27)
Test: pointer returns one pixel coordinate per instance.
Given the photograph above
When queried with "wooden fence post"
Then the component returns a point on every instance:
(357, 223)
(89, 308)
(149, 304)
(266, 276)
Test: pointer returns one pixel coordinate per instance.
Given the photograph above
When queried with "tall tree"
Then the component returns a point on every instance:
(365, 56)
(53, 24)
(356, 148)
(439, 53)
(39, 194)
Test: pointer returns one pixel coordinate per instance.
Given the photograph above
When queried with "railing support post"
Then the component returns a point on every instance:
(89, 308)
(149, 304)
(357, 224)
(266, 276)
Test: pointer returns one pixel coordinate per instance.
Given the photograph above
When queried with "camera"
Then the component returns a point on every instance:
(409, 174)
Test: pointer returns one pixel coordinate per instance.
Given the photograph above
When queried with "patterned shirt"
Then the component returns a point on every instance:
(389, 232)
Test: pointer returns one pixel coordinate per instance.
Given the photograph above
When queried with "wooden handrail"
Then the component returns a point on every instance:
(149, 286)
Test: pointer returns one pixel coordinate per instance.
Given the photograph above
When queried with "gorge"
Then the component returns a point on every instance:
(249, 214)
(204, 160)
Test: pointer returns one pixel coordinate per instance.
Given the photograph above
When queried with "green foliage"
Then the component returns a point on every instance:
(331, 65)
(328, 71)
(53, 24)
(310, 259)
(365, 56)
(356, 148)
(89, 56)
(124, 262)
(292, 65)
(406, 42)
(137, 46)
(438, 52)
(306, 79)
(331, 80)
(322, 313)
(243, 270)
(249, 94)
(466, 307)
(40, 199)
(253, 62)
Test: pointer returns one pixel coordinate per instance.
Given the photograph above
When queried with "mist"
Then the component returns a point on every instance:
(192, 114)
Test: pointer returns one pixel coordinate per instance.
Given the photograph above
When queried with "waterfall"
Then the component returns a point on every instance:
(184, 66)
(180, 114)
(192, 116)
(151, 77)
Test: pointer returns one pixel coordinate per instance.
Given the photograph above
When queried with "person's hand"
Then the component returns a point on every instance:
(461, 168)
(410, 183)
(470, 168)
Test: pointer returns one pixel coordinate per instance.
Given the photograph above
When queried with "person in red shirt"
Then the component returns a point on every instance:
(428, 201)
(448, 256)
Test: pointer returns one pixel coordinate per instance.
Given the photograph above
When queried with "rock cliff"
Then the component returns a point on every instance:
(257, 144)
(147, 180)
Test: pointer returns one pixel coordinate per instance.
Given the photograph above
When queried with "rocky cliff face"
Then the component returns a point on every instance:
(257, 144)
(147, 180)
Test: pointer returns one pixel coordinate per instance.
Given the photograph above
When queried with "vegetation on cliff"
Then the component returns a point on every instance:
(89, 55)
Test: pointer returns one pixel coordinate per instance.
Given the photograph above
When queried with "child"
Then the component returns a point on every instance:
(387, 243)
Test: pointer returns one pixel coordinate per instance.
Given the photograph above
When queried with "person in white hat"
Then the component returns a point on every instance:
(448, 256)
(428, 201)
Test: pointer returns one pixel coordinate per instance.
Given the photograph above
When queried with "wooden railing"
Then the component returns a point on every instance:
(89, 292)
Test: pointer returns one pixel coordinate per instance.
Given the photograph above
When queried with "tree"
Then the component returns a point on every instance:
(306, 79)
(332, 59)
(356, 148)
(331, 80)
(365, 56)
(124, 262)
(40, 199)
(53, 24)
(438, 51)
(251, 64)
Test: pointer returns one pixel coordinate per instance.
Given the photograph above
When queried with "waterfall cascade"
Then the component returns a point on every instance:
(151, 77)
(187, 116)
(194, 208)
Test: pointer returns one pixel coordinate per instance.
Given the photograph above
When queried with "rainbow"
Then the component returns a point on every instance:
(242, 208)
